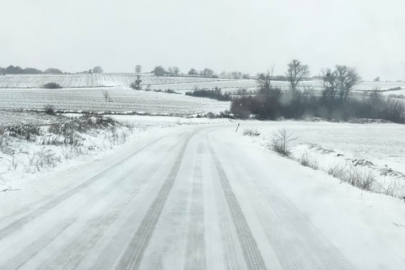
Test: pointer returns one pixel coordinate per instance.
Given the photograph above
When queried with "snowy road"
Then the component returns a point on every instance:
(194, 199)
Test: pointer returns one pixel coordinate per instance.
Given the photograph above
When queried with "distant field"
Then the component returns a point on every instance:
(175, 83)
(92, 80)
(234, 85)
(123, 100)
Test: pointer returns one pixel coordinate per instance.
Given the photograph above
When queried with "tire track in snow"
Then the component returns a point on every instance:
(74, 253)
(297, 244)
(132, 257)
(14, 226)
(34, 248)
(96, 227)
(231, 246)
(195, 250)
(251, 252)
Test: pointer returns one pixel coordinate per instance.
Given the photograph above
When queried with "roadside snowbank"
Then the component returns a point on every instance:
(377, 148)
(50, 149)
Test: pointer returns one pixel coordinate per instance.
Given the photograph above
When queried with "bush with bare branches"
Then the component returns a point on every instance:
(281, 142)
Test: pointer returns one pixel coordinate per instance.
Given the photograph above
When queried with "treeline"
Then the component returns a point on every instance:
(272, 103)
(334, 102)
(209, 73)
(175, 72)
(215, 93)
(18, 70)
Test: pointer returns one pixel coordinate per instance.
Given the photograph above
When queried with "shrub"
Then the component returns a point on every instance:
(49, 109)
(170, 91)
(23, 131)
(52, 85)
(307, 161)
(354, 176)
(137, 84)
(107, 96)
(281, 142)
(271, 103)
(251, 132)
(215, 93)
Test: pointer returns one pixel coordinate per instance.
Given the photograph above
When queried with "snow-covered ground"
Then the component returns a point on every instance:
(203, 197)
(93, 80)
(377, 148)
(120, 100)
(176, 83)
(234, 85)
(22, 159)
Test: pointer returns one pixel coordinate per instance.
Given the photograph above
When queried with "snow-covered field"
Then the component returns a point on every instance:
(371, 148)
(8, 118)
(175, 83)
(121, 100)
(93, 80)
(234, 85)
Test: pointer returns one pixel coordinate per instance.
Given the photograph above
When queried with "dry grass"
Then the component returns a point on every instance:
(308, 161)
(354, 176)
(253, 132)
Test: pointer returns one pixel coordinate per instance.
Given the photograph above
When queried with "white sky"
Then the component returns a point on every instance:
(243, 35)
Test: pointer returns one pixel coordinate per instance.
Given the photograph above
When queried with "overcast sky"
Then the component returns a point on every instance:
(244, 35)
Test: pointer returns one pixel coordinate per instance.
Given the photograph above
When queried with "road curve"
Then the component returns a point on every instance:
(190, 200)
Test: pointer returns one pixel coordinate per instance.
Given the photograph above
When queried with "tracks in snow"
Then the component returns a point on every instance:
(134, 253)
(132, 216)
(251, 252)
(14, 226)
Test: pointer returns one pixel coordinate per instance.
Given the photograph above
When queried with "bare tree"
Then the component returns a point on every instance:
(296, 73)
(208, 73)
(346, 79)
(107, 96)
(193, 72)
(170, 71)
(264, 79)
(339, 83)
(329, 85)
(176, 71)
(137, 84)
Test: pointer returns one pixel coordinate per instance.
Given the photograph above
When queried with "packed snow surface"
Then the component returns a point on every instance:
(201, 196)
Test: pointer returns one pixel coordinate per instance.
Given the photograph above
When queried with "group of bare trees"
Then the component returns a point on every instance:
(175, 72)
(338, 83)
(236, 75)
(334, 101)
(18, 70)
(206, 72)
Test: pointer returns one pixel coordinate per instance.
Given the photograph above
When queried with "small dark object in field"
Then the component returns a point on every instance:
(52, 85)
(49, 109)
